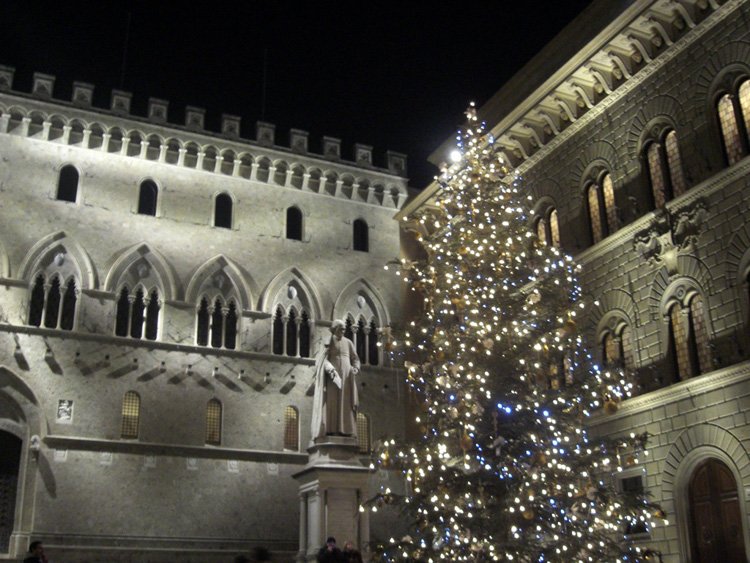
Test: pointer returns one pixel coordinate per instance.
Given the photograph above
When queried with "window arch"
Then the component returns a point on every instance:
(291, 429)
(223, 204)
(363, 433)
(131, 415)
(213, 422)
(294, 223)
(138, 313)
(360, 236)
(733, 112)
(148, 195)
(600, 195)
(67, 184)
(52, 303)
(216, 323)
(366, 338)
(688, 346)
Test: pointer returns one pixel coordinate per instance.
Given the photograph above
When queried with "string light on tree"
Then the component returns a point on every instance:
(505, 469)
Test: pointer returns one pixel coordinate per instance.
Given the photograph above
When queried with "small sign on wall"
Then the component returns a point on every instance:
(192, 464)
(233, 466)
(105, 458)
(149, 462)
(272, 468)
(64, 411)
(60, 456)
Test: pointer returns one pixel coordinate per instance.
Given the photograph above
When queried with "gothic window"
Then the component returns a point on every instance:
(363, 433)
(217, 324)
(291, 333)
(67, 184)
(223, 211)
(733, 110)
(602, 210)
(291, 429)
(131, 414)
(294, 223)
(147, 197)
(665, 168)
(138, 314)
(361, 236)
(541, 231)
(688, 332)
(53, 305)
(213, 422)
(364, 335)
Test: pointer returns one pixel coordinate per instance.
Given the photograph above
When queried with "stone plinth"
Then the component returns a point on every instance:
(331, 488)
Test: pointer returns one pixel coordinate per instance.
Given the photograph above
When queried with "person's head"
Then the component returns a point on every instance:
(337, 329)
(349, 546)
(331, 542)
(36, 548)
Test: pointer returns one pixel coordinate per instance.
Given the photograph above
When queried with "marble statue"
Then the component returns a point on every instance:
(335, 400)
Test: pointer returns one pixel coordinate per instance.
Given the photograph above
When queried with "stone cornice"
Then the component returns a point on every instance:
(151, 448)
(718, 379)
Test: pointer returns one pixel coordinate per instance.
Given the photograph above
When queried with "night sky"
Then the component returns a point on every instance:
(392, 75)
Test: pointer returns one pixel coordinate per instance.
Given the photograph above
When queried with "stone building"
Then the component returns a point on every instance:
(632, 131)
(164, 292)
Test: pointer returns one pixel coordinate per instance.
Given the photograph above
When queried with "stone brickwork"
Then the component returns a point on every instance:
(166, 495)
(703, 417)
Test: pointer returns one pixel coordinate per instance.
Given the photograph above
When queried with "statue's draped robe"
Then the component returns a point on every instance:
(334, 409)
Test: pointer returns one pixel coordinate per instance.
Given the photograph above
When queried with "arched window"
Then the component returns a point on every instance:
(131, 414)
(67, 184)
(665, 168)
(363, 433)
(293, 223)
(291, 429)
(688, 339)
(216, 324)
(548, 228)
(53, 305)
(147, 197)
(138, 314)
(361, 236)
(618, 348)
(733, 111)
(373, 350)
(278, 332)
(291, 333)
(602, 210)
(304, 335)
(213, 422)
(223, 211)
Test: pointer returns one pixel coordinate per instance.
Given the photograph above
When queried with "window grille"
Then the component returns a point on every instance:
(213, 422)
(291, 429)
(131, 413)
(363, 433)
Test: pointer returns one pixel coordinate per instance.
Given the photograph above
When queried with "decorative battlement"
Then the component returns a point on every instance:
(265, 133)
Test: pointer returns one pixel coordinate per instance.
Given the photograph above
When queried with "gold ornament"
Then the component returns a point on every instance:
(440, 355)
(466, 442)
(630, 460)
(488, 343)
(528, 514)
(610, 406)
(539, 458)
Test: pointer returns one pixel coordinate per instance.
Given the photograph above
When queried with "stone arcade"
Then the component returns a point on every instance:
(164, 292)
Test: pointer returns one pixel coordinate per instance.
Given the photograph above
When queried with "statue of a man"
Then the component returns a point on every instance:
(335, 401)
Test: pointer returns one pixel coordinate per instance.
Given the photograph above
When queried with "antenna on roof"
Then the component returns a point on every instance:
(263, 86)
(125, 51)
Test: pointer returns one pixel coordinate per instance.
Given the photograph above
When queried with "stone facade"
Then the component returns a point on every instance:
(156, 447)
(655, 67)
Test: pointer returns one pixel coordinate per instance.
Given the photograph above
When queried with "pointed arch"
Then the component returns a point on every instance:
(208, 278)
(348, 302)
(276, 292)
(51, 249)
(158, 272)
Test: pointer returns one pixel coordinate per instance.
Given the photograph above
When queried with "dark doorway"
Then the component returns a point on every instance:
(715, 518)
(10, 460)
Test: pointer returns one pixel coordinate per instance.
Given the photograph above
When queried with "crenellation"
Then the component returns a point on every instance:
(195, 118)
(158, 110)
(120, 102)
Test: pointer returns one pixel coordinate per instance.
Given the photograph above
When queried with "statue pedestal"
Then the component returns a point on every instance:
(332, 486)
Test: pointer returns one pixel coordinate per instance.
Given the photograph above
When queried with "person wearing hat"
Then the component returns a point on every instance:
(335, 401)
(329, 553)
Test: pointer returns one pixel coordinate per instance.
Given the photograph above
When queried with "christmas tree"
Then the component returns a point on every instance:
(505, 470)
